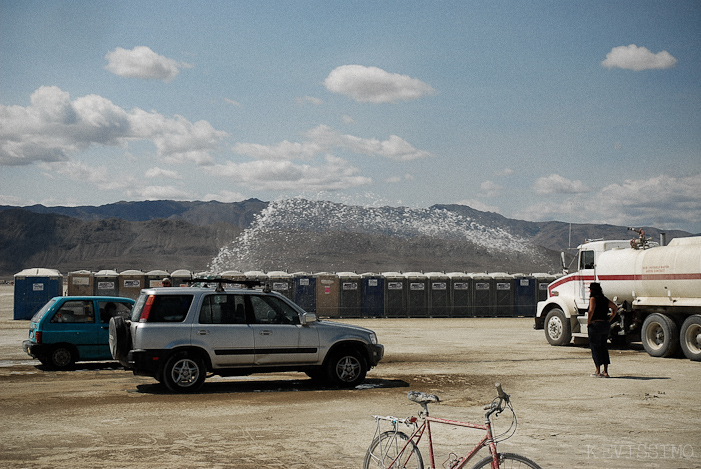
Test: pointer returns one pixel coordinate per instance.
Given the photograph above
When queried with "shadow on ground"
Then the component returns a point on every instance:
(291, 385)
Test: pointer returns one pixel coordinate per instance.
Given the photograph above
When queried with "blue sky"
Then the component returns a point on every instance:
(574, 111)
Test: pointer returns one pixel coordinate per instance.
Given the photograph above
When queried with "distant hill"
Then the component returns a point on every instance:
(173, 235)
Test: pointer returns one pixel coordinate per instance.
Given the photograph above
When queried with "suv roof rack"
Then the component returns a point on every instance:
(221, 281)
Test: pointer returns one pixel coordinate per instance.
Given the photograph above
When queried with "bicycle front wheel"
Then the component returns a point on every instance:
(508, 461)
(393, 450)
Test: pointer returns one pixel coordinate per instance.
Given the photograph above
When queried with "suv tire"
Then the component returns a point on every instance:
(184, 373)
(120, 338)
(346, 368)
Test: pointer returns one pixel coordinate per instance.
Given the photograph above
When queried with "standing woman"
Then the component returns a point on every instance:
(599, 327)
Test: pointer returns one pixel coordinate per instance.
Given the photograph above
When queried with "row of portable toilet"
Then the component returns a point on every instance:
(128, 283)
(344, 294)
(34, 287)
(414, 294)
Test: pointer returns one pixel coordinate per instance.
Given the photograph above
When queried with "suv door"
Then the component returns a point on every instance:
(279, 338)
(223, 330)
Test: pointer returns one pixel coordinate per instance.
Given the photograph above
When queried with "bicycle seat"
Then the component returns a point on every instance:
(421, 397)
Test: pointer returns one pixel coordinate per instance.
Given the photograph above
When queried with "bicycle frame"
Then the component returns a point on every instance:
(425, 427)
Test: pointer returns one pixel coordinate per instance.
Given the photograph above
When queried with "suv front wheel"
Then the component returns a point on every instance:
(346, 368)
(184, 372)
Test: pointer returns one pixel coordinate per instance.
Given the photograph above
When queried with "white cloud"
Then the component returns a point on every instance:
(53, 127)
(663, 201)
(504, 172)
(284, 150)
(97, 176)
(309, 100)
(225, 196)
(477, 205)
(335, 174)
(160, 193)
(142, 62)
(394, 148)
(347, 119)
(556, 184)
(324, 139)
(156, 172)
(637, 58)
(232, 102)
(396, 179)
(490, 189)
(374, 85)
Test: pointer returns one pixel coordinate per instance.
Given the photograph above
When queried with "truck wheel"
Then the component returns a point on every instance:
(119, 338)
(690, 338)
(557, 328)
(184, 372)
(660, 336)
(346, 368)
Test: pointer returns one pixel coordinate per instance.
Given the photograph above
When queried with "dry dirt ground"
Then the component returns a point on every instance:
(647, 415)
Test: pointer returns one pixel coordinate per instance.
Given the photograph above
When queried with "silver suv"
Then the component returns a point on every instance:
(178, 335)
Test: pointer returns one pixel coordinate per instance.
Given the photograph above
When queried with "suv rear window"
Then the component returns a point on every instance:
(162, 308)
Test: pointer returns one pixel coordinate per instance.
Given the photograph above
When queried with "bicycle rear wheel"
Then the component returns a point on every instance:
(393, 446)
(507, 461)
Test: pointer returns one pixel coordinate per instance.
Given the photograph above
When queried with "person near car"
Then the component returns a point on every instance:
(166, 282)
(598, 328)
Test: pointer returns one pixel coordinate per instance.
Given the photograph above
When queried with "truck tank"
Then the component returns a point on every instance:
(666, 276)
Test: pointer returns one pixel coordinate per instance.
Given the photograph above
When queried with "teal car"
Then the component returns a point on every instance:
(69, 329)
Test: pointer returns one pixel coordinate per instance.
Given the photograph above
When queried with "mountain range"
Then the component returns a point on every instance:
(293, 235)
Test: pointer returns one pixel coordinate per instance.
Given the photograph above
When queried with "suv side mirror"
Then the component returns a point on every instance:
(307, 318)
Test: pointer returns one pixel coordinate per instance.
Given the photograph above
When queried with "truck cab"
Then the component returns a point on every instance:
(563, 313)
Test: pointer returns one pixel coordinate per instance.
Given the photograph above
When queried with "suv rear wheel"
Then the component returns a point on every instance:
(346, 368)
(184, 372)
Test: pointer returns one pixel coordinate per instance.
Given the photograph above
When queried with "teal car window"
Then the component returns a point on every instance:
(39, 314)
(110, 309)
(75, 311)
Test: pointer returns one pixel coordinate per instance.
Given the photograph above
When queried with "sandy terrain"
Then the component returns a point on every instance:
(101, 416)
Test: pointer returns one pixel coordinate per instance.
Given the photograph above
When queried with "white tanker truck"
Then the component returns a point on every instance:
(657, 287)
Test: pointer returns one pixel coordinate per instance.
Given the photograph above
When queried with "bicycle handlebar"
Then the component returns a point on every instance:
(500, 392)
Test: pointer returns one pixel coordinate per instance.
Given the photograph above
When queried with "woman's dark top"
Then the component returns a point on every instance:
(601, 308)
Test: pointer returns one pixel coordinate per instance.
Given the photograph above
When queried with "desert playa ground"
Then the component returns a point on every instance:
(646, 415)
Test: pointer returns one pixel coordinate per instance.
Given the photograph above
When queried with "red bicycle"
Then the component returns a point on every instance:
(395, 449)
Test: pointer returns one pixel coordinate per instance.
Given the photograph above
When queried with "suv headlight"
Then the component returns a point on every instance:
(373, 338)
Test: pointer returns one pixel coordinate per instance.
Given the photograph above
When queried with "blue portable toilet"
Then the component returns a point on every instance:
(524, 295)
(372, 288)
(460, 298)
(305, 291)
(33, 288)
